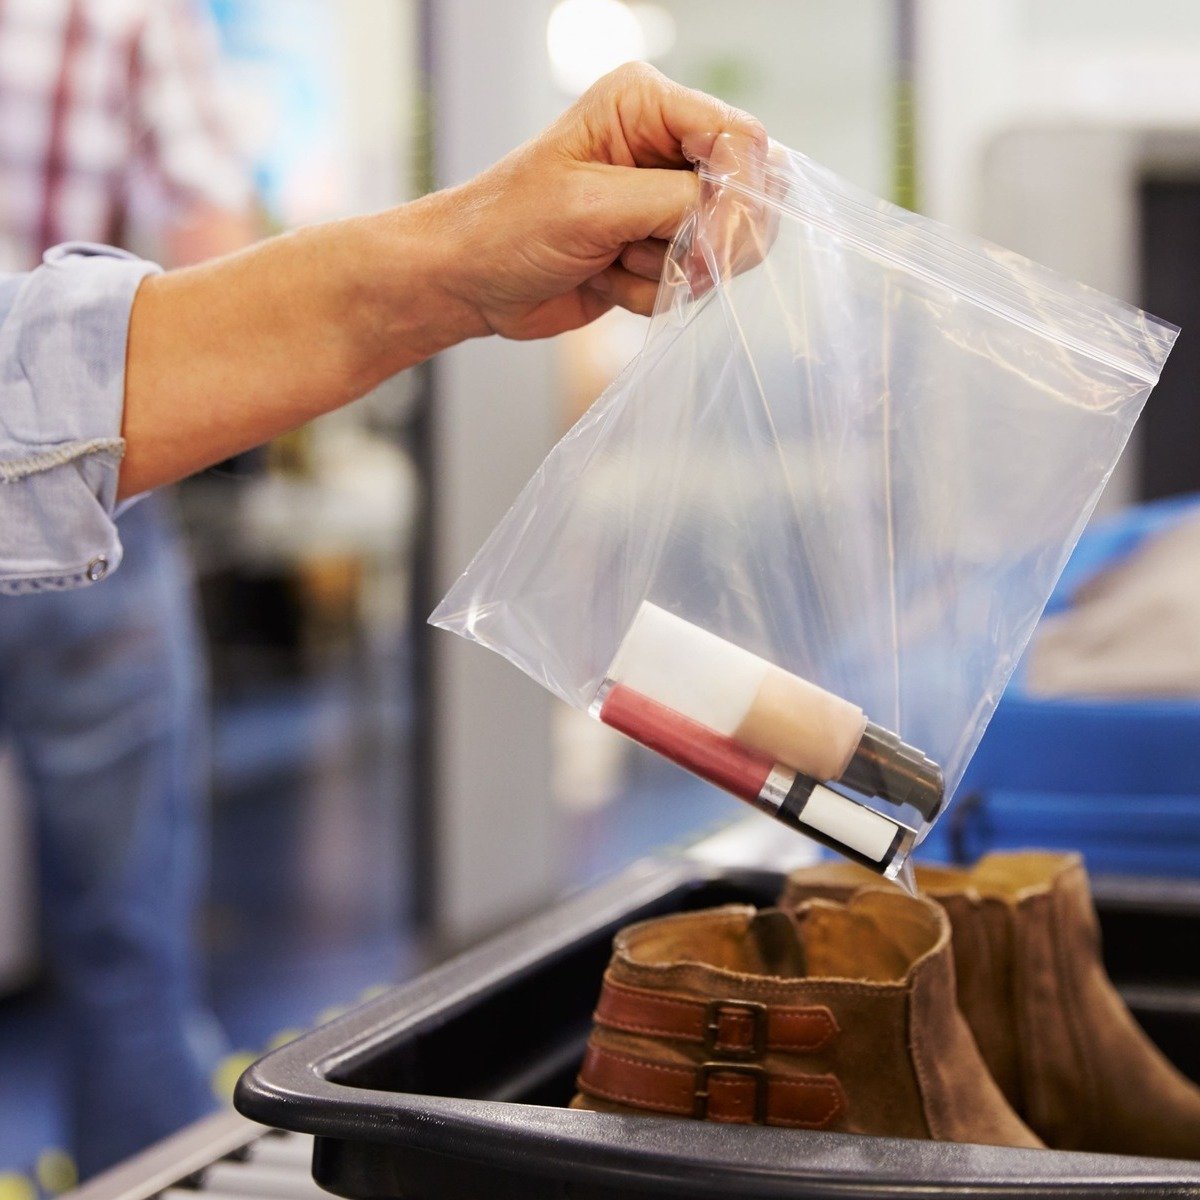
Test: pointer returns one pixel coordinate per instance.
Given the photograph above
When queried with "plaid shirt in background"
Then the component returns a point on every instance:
(107, 108)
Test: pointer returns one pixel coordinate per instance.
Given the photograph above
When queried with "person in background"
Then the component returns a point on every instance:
(110, 118)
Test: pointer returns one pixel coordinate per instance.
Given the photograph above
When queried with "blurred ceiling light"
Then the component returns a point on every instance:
(587, 38)
(658, 28)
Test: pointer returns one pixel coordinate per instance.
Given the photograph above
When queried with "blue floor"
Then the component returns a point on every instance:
(306, 906)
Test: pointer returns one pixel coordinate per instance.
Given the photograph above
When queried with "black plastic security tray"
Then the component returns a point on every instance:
(451, 1087)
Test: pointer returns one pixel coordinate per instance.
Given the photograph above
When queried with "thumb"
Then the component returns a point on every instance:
(645, 202)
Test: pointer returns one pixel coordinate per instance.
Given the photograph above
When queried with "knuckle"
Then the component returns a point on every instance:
(581, 196)
(632, 74)
(753, 126)
(738, 120)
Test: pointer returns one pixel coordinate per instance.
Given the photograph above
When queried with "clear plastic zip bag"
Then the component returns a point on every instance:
(801, 542)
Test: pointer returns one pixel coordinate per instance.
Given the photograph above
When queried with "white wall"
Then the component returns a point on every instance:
(1036, 120)
(496, 415)
(380, 52)
(990, 66)
(818, 73)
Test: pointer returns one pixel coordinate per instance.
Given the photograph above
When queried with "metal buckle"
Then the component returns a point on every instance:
(751, 1070)
(712, 1027)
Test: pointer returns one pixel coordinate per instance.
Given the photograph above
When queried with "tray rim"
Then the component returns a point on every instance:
(283, 1088)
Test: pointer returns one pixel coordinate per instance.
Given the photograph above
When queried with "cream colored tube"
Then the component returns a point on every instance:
(738, 694)
(802, 726)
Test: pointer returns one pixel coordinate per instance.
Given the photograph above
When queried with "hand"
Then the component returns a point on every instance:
(230, 353)
(577, 220)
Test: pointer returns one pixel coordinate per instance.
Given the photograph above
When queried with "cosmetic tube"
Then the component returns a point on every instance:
(768, 710)
(837, 821)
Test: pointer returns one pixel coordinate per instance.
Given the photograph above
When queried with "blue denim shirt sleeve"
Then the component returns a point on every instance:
(63, 334)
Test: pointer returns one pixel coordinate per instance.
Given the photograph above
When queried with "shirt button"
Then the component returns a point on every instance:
(97, 568)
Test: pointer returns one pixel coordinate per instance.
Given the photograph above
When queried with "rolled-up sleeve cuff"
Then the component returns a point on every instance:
(62, 390)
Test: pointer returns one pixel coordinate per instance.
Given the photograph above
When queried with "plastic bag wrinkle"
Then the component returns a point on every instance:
(856, 444)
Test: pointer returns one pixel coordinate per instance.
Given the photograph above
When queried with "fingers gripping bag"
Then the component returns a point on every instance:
(800, 543)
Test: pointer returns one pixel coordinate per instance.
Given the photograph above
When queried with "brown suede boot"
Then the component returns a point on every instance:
(835, 1016)
(1050, 1025)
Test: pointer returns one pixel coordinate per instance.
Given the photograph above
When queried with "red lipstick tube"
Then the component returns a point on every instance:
(801, 803)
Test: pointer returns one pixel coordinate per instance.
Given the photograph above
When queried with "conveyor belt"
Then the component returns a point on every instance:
(224, 1157)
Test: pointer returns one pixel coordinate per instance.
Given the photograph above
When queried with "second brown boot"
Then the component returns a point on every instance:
(835, 1016)
(1051, 1026)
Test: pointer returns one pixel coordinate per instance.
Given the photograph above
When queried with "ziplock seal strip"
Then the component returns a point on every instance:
(862, 220)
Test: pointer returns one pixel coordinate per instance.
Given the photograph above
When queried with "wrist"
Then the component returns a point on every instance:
(413, 298)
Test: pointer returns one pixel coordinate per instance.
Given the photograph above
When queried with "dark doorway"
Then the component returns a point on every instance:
(1171, 290)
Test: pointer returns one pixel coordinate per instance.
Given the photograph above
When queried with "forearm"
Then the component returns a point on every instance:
(229, 354)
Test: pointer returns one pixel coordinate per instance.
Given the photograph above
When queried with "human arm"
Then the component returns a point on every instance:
(228, 354)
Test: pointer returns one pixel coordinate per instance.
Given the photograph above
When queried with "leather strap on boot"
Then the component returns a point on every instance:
(730, 1086)
(739, 1093)
(729, 1027)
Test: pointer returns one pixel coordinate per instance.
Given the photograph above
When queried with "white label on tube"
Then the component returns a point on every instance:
(854, 825)
(686, 668)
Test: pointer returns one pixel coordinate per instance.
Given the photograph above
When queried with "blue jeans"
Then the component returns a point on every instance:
(103, 693)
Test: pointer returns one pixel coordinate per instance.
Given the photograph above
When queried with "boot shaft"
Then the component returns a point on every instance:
(1050, 1025)
(1069, 1052)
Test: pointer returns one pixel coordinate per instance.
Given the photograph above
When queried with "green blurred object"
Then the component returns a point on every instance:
(730, 77)
(904, 134)
(904, 146)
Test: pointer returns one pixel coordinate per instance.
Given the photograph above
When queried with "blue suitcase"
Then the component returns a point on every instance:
(1117, 780)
